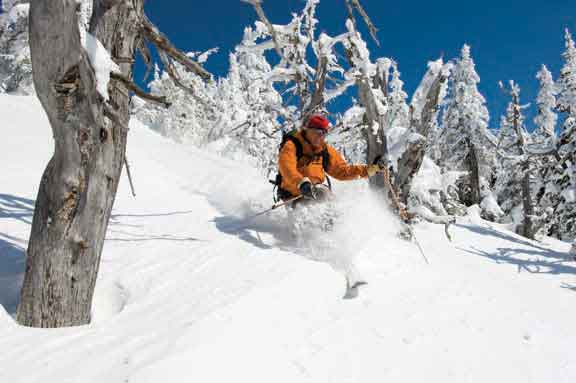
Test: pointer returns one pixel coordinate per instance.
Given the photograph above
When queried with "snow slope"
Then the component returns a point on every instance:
(187, 293)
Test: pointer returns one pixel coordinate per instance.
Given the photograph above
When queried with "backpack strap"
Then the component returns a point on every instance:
(325, 159)
(297, 144)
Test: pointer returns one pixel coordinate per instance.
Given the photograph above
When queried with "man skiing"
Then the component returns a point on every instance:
(305, 159)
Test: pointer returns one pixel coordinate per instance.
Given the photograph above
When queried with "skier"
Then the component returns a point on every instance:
(305, 159)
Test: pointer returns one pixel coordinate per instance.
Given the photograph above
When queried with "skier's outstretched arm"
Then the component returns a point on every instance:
(341, 170)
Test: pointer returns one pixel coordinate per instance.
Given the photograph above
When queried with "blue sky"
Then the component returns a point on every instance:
(510, 39)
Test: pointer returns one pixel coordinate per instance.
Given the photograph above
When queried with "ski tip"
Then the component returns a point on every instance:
(352, 290)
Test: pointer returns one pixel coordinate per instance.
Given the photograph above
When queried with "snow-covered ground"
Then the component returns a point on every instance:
(188, 292)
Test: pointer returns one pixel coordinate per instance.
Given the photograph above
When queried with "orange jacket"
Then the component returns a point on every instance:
(310, 165)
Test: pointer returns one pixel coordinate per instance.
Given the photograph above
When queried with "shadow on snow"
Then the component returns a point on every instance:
(532, 258)
(12, 251)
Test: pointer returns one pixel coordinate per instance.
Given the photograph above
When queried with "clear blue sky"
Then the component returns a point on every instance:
(510, 39)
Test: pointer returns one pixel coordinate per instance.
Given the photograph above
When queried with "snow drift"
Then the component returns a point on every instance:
(189, 291)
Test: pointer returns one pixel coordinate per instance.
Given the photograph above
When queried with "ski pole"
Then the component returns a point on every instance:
(402, 214)
(413, 235)
(277, 205)
(274, 207)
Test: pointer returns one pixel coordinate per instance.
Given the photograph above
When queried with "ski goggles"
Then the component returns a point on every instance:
(320, 132)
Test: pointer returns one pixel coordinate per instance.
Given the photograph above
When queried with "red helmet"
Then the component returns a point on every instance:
(318, 122)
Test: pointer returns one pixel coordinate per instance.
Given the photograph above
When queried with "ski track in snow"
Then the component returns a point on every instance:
(184, 295)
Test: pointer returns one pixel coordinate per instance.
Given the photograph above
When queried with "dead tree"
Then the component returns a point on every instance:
(292, 43)
(411, 160)
(79, 184)
(368, 84)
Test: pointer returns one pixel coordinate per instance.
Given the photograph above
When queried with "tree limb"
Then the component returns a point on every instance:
(162, 43)
(146, 56)
(317, 98)
(161, 100)
(373, 30)
(176, 78)
(257, 4)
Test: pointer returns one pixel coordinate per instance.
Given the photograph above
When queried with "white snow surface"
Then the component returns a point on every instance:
(101, 62)
(185, 295)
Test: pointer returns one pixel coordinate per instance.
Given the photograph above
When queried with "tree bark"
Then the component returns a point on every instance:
(79, 184)
(529, 225)
(411, 161)
(474, 173)
(408, 165)
(375, 140)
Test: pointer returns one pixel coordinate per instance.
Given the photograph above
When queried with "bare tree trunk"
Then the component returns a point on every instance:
(529, 226)
(79, 184)
(376, 140)
(474, 173)
(408, 165)
(411, 161)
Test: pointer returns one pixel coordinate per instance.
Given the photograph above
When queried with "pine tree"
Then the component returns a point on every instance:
(561, 192)
(544, 140)
(512, 142)
(465, 141)
(397, 113)
(253, 107)
(545, 133)
(567, 79)
(512, 136)
(466, 115)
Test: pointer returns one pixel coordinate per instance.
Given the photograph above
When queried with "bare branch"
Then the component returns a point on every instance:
(373, 30)
(257, 4)
(146, 56)
(317, 99)
(351, 14)
(161, 100)
(172, 72)
(164, 45)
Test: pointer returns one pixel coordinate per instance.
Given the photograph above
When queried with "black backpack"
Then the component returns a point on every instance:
(283, 194)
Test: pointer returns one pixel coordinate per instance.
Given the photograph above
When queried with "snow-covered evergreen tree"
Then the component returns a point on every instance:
(545, 133)
(253, 105)
(561, 186)
(466, 143)
(15, 64)
(512, 136)
(466, 116)
(544, 140)
(398, 112)
(192, 112)
(348, 136)
(512, 141)
(567, 79)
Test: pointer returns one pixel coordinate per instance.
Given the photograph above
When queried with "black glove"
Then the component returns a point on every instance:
(379, 165)
(379, 160)
(307, 190)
